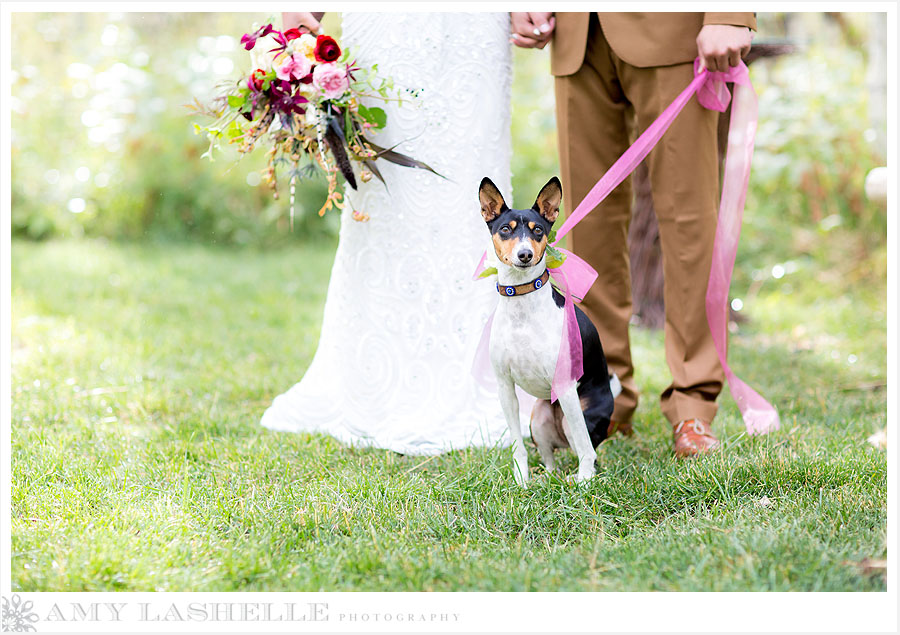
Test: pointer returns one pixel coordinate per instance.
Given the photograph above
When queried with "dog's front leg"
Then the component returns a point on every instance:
(510, 404)
(577, 434)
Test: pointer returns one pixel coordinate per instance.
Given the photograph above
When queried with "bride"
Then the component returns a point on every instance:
(403, 317)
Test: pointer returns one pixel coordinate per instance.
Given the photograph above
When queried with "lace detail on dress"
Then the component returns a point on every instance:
(403, 318)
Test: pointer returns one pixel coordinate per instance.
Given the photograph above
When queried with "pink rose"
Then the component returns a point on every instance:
(295, 67)
(331, 80)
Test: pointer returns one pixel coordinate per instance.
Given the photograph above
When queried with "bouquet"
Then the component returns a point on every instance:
(302, 103)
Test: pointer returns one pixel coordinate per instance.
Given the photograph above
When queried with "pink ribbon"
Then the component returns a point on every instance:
(759, 415)
(575, 276)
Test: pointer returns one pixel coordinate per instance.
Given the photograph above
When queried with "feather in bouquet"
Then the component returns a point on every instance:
(303, 104)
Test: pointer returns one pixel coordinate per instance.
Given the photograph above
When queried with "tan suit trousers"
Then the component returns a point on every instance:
(594, 106)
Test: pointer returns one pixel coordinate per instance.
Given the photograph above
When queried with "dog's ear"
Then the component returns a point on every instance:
(547, 202)
(492, 203)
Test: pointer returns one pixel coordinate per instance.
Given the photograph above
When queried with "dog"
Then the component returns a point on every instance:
(526, 334)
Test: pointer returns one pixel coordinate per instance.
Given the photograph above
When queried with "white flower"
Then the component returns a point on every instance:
(306, 45)
(261, 57)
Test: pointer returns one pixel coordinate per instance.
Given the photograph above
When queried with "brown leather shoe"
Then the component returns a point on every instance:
(693, 437)
(625, 429)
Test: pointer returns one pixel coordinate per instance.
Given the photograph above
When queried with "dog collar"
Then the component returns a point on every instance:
(523, 289)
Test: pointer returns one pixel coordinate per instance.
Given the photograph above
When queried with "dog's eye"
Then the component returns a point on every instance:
(505, 229)
(538, 230)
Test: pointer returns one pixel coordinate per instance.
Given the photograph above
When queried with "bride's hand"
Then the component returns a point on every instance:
(531, 29)
(308, 22)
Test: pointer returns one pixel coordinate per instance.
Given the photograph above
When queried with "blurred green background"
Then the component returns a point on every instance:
(103, 145)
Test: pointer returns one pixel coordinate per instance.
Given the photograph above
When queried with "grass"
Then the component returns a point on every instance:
(140, 373)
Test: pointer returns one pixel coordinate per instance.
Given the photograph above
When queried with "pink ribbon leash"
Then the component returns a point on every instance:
(759, 415)
(575, 276)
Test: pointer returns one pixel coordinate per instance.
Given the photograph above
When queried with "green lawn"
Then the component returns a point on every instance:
(139, 374)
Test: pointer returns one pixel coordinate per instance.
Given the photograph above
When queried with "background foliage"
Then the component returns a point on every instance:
(103, 145)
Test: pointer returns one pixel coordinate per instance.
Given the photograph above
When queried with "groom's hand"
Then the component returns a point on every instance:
(308, 22)
(722, 45)
(531, 30)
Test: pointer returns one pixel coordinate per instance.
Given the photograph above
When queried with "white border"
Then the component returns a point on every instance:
(470, 612)
(500, 612)
(5, 301)
(892, 286)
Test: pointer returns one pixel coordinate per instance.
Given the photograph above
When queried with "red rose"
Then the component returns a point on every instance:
(292, 34)
(327, 50)
(257, 78)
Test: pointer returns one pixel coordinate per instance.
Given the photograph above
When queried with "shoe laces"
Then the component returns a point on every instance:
(695, 424)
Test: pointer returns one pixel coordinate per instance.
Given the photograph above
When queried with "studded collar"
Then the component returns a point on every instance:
(526, 288)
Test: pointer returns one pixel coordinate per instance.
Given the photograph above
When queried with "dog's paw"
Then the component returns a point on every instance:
(586, 471)
(521, 476)
(577, 480)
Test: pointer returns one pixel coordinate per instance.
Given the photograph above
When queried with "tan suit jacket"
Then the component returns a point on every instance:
(640, 39)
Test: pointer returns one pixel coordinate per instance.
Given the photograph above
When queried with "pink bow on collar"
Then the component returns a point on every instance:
(573, 279)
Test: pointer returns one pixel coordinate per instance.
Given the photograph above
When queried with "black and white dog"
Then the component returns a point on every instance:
(526, 333)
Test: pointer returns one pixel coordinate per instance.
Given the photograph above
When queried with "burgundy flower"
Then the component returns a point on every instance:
(281, 40)
(249, 39)
(282, 99)
(327, 50)
(292, 34)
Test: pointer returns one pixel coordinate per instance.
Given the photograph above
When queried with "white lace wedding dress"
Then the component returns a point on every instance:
(403, 317)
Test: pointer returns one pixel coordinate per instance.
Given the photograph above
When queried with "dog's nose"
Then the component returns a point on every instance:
(525, 256)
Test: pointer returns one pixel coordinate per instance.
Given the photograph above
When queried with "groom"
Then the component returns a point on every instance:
(612, 69)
